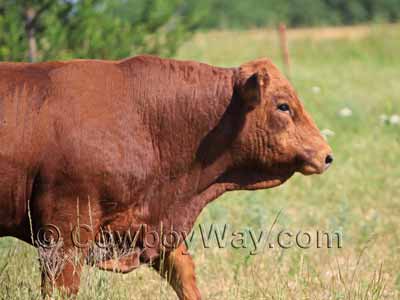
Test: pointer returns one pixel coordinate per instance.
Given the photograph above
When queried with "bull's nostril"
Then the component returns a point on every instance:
(328, 159)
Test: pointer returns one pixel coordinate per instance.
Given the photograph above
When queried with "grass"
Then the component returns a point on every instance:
(358, 197)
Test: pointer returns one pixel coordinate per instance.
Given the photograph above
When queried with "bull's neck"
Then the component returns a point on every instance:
(199, 127)
(213, 153)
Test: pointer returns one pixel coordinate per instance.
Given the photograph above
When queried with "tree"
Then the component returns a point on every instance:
(62, 29)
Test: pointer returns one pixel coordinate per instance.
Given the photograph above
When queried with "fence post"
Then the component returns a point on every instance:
(284, 48)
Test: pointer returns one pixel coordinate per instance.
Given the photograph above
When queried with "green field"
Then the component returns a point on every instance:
(359, 196)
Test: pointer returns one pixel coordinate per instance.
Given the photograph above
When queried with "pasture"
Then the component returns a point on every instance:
(335, 71)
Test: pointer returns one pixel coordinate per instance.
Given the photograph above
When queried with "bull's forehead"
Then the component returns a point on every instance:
(279, 86)
(277, 79)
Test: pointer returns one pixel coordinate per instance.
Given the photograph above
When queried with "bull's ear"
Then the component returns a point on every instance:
(250, 91)
(253, 79)
(253, 87)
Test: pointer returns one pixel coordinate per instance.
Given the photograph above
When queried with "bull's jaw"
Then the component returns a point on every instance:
(253, 179)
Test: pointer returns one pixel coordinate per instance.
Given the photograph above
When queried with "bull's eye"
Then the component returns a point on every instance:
(284, 107)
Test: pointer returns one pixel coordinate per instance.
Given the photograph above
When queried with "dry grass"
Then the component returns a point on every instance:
(315, 34)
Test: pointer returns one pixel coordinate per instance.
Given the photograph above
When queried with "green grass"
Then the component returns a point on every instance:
(359, 196)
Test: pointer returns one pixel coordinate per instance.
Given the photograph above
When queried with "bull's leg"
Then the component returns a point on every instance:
(61, 270)
(61, 243)
(178, 268)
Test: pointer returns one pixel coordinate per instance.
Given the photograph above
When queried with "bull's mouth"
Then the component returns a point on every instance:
(311, 169)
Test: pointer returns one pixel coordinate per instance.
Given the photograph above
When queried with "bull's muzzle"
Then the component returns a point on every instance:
(316, 163)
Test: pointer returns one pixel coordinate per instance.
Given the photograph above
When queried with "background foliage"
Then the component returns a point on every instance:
(95, 28)
(63, 29)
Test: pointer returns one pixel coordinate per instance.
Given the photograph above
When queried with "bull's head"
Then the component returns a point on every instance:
(278, 137)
